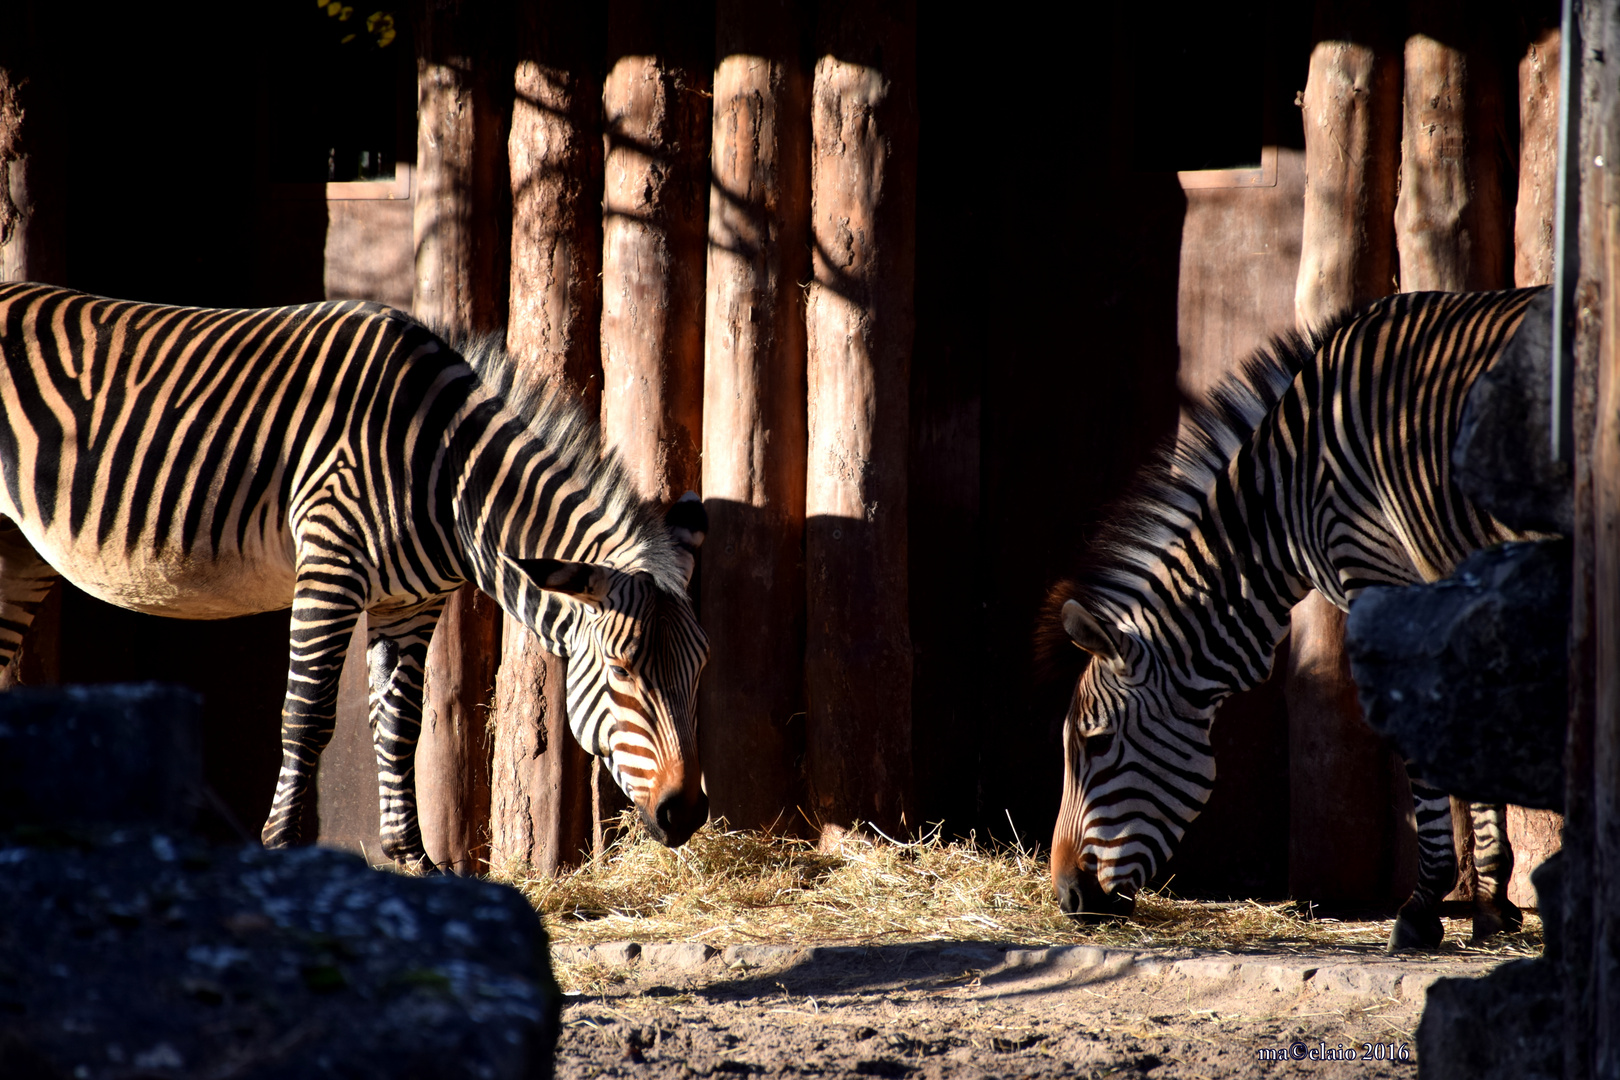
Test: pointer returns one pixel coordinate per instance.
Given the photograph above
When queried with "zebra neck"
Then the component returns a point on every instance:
(1205, 597)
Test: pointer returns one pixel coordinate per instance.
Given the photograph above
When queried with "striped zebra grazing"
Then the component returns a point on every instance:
(341, 459)
(1325, 465)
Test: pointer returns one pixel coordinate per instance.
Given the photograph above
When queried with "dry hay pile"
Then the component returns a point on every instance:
(729, 886)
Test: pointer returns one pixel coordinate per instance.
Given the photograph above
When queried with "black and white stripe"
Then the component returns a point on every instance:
(1325, 465)
(341, 459)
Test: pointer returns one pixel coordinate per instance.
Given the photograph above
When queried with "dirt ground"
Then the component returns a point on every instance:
(980, 1010)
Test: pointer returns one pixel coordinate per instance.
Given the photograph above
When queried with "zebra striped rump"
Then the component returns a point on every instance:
(340, 459)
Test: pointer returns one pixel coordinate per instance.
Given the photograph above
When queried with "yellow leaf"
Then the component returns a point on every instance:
(334, 7)
(386, 38)
(372, 20)
(346, 14)
(348, 38)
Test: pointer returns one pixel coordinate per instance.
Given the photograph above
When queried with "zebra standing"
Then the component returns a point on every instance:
(1324, 465)
(342, 459)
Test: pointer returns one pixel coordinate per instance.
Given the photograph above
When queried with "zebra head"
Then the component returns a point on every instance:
(1137, 770)
(635, 652)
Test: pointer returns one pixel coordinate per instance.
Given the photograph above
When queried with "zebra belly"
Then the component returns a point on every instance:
(173, 583)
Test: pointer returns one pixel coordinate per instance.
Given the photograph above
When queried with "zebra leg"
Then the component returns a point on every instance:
(397, 657)
(25, 581)
(1418, 926)
(323, 617)
(1493, 868)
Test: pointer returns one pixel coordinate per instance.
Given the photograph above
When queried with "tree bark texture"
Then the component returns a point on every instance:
(1590, 944)
(1538, 161)
(863, 186)
(32, 227)
(754, 413)
(1535, 834)
(656, 111)
(541, 777)
(462, 252)
(1350, 838)
(1451, 220)
(540, 805)
(1352, 117)
(556, 168)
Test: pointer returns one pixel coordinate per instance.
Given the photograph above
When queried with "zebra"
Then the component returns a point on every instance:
(1323, 464)
(342, 459)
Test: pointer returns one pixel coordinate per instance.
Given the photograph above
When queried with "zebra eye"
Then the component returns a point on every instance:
(619, 671)
(1097, 745)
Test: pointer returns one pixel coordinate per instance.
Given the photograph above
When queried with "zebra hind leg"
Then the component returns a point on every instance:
(1417, 925)
(1494, 913)
(396, 657)
(25, 581)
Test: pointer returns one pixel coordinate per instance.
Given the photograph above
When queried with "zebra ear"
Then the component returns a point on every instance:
(585, 582)
(1088, 634)
(688, 523)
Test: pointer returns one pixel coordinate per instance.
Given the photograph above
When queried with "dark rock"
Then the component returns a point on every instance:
(83, 757)
(131, 948)
(1468, 677)
(1507, 1025)
(1502, 458)
(1548, 878)
(151, 954)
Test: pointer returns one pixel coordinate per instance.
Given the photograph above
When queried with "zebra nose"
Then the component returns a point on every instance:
(678, 816)
(1082, 896)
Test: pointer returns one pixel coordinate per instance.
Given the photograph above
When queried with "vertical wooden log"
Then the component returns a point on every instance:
(461, 287)
(1451, 221)
(1590, 942)
(1347, 843)
(1538, 161)
(1352, 110)
(754, 413)
(1535, 834)
(858, 649)
(656, 109)
(540, 816)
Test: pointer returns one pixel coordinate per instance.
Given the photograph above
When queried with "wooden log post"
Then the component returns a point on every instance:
(1589, 942)
(754, 413)
(1346, 843)
(32, 243)
(1451, 221)
(461, 287)
(1535, 834)
(858, 659)
(540, 817)
(656, 110)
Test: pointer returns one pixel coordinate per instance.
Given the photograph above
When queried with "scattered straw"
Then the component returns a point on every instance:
(728, 886)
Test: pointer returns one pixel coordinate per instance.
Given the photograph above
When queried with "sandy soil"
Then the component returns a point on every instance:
(973, 1010)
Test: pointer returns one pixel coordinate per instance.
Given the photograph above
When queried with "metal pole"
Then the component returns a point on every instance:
(1566, 238)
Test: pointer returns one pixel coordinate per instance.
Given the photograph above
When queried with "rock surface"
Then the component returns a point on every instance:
(1469, 676)
(132, 949)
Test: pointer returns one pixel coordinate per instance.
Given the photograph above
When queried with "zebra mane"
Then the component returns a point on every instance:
(554, 417)
(1167, 493)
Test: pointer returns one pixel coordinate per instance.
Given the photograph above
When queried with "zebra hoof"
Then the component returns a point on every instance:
(1416, 930)
(1490, 919)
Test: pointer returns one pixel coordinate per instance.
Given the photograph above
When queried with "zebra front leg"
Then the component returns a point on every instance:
(323, 617)
(1417, 925)
(25, 581)
(397, 657)
(1493, 869)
